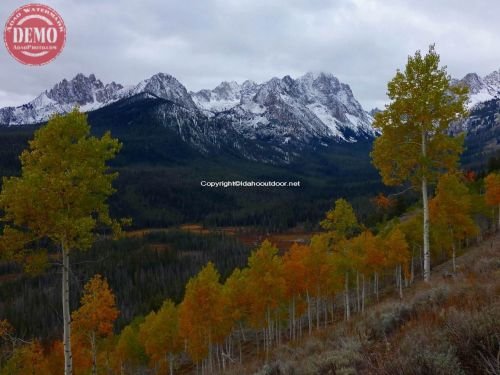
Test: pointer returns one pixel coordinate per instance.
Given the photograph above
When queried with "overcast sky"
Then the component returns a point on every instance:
(203, 42)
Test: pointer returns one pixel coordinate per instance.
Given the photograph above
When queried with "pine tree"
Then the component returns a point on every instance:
(415, 144)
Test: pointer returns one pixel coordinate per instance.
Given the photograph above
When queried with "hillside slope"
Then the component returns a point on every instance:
(449, 327)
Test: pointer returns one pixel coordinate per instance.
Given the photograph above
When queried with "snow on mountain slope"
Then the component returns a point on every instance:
(310, 107)
(225, 96)
(167, 87)
(481, 89)
(89, 93)
(282, 111)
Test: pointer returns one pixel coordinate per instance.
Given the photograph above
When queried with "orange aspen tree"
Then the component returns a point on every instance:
(383, 204)
(318, 270)
(397, 255)
(492, 196)
(370, 259)
(296, 278)
(201, 316)
(95, 317)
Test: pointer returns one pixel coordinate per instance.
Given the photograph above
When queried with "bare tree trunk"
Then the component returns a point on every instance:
(68, 357)
(347, 306)
(363, 295)
(412, 272)
(454, 256)
(498, 216)
(358, 304)
(427, 251)
(171, 363)
(425, 201)
(400, 276)
(309, 318)
(317, 308)
(94, 352)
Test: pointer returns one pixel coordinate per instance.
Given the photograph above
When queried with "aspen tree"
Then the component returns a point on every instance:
(451, 213)
(60, 196)
(95, 317)
(415, 144)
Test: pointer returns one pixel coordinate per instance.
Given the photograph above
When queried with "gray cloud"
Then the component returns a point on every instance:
(362, 42)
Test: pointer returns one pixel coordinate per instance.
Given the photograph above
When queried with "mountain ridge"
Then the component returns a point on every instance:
(273, 121)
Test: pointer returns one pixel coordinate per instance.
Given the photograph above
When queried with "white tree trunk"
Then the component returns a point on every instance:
(309, 318)
(400, 276)
(454, 255)
(425, 201)
(171, 363)
(358, 304)
(499, 216)
(347, 304)
(68, 358)
(363, 296)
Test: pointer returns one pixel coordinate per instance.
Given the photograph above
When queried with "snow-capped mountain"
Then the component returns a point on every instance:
(166, 87)
(89, 94)
(225, 96)
(481, 89)
(282, 114)
(310, 107)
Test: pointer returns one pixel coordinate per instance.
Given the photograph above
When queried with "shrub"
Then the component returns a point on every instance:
(476, 337)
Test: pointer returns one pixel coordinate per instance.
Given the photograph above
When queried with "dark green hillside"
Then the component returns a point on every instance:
(483, 139)
(160, 173)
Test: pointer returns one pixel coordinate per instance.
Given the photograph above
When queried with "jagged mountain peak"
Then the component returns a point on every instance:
(474, 82)
(318, 75)
(82, 90)
(166, 86)
(493, 78)
(481, 89)
(286, 112)
(86, 92)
